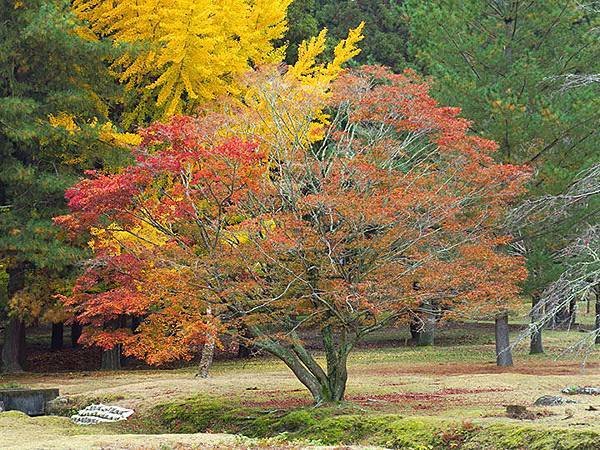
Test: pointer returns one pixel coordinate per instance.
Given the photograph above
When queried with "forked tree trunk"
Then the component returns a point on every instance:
(336, 355)
(76, 329)
(58, 330)
(536, 344)
(503, 350)
(13, 349)
(325, 386)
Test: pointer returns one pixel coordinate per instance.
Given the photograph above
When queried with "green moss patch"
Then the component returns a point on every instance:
(501, 436)
(344, 425)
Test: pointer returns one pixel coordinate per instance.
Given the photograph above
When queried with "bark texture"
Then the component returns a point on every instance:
(503, 350)
(208, 353)
(425, 335)
(76, 330)
(536, 345)
(325, 385)
(57, 340)
(111, 359)
(13, 349)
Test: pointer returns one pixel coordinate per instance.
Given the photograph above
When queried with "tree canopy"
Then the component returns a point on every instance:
(280, 234)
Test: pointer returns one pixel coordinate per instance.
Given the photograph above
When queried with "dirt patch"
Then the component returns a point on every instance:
(279, 403)
(441, 399)
(532, 368)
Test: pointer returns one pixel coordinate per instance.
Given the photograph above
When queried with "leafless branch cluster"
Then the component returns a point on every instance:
(593, 6)
(571, 81)
(581, 277)
(580, 256)
(550, 209)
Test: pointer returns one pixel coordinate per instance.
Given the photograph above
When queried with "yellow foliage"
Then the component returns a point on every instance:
(107, 132)
(291, 106)
(65, 121)
(114, 237)
(309, 71)
(37, 300)
(186, 49)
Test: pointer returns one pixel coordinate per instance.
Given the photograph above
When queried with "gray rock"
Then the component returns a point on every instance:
(59, 406)
(586, 390)
(1, 406)
(552, 400)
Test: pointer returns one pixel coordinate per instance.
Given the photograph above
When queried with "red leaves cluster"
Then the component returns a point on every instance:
(162, 223)
(398, 196)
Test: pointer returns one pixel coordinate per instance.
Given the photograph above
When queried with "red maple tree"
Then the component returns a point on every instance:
(394, 212)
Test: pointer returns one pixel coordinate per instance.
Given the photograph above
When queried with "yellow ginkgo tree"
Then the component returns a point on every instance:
(181, 53)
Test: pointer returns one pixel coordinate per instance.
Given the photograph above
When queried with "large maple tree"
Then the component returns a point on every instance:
(391, 207)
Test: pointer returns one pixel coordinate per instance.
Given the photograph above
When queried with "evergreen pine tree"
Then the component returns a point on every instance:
(504, 63)
(54, 92)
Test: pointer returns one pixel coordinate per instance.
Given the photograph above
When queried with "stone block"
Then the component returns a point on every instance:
(30, 401)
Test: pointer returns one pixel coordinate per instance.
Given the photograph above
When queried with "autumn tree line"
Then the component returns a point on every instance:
(179, 174)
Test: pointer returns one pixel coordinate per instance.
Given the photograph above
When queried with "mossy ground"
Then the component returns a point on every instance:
(398, 396)
(344, 424)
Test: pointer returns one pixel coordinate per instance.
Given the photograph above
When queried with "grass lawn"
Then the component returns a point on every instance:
(458, 384)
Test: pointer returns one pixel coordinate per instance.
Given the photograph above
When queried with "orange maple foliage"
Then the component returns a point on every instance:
(396, 207)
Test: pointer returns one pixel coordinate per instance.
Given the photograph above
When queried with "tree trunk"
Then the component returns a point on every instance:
(336, 355)
(58, 331)
(597, 323)
(503, 351)
(135, 323)
(565, 317)
(324, 387)
(572, 313)
(111, 359)
(427, 333)
(76, 329)
(536, 345)
(243, 351)
(208, 353)
(414, 330)
(13, 350)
